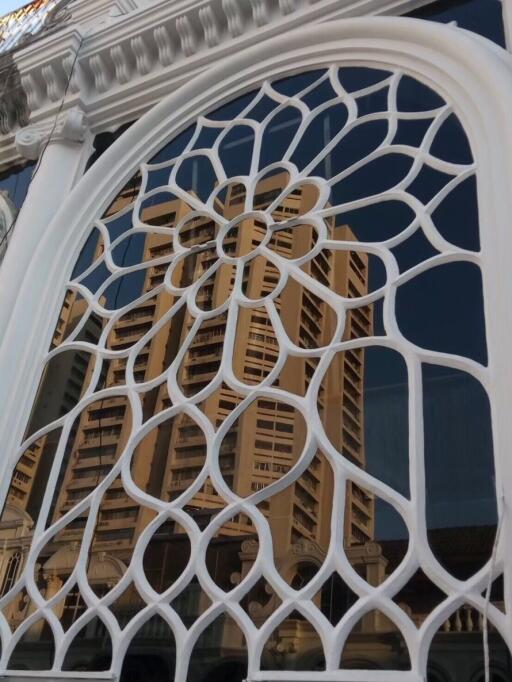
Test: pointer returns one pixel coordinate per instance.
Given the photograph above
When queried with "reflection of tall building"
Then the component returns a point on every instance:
(261, 446)
(266, 441)
(60, 390)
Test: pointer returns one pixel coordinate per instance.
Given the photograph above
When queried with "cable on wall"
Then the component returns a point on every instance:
(11, 227)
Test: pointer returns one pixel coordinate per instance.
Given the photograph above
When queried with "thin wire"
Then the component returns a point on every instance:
(485, 625)
(49, 138)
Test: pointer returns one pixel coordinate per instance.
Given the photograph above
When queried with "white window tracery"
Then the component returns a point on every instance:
(196, 265)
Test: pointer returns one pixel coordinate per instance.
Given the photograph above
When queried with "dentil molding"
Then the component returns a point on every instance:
(117, 59)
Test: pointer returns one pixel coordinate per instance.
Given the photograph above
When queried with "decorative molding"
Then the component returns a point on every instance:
(131, 53)
(71, 128)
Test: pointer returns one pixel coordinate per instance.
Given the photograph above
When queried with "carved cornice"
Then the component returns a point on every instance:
(127, 56)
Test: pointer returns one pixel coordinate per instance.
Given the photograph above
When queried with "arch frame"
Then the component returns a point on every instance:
(444, 58)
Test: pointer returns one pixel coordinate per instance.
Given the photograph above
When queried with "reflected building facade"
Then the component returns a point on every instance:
(260, 447)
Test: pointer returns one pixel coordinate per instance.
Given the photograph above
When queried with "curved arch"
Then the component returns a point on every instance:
(442, 57)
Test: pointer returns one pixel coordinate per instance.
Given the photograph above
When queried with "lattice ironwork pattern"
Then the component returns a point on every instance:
(267, 373)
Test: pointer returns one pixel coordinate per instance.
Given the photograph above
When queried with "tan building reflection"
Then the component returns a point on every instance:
(261, 446)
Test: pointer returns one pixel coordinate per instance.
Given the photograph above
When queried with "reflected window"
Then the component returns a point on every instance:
(268, 370)
(11, 572)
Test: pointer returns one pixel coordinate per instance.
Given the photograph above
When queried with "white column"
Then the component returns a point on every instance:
(507, 22)
(62, 154)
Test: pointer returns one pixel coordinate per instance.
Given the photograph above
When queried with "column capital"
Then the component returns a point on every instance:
(71, 127)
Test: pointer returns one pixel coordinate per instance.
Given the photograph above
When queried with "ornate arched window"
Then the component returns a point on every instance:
(272, 342)
(11, 572)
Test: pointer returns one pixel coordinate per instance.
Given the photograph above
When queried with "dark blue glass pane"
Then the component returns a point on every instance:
(481, 16)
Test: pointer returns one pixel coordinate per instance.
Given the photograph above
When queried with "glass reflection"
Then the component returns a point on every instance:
(279, 279)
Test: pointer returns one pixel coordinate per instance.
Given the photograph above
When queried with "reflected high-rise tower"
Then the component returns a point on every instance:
(266, 440)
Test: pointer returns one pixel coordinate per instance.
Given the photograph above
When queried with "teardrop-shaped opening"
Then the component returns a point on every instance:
(202, 360)
(176, 449)
(24, 498)
(265, 440)
(96, 441)
(375, 643)
(162, 345)
(166, 555)
(35, 650)
(74, 308)
(364, 406)
(120, 521)
(293, 645)
(151, 654)
(461, 504)
(65, 379)
(256, 335)
(376, 538)
(299, 516)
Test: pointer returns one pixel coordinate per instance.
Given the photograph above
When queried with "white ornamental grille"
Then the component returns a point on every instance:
(209, 244)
